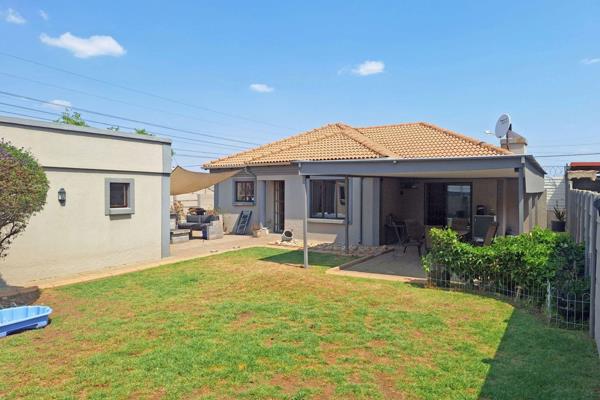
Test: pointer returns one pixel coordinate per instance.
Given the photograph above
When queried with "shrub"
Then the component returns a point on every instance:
(23, 189)
(528, 260)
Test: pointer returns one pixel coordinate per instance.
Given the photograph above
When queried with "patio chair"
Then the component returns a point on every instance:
(489, 235)
(398, 226)
(461, 226)
(415, 235)
(481, 224)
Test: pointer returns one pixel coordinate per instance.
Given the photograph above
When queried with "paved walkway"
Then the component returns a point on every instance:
(179, 252)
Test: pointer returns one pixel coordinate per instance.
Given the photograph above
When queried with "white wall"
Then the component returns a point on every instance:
(202, 198)
(77, 237)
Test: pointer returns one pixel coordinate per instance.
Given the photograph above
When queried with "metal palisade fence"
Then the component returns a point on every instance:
(583, 222)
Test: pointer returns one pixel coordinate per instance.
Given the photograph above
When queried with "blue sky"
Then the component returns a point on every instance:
(455, 64)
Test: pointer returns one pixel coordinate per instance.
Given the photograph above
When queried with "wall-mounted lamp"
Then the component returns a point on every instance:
(62, 196)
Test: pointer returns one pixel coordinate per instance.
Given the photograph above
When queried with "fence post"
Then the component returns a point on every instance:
(549, 301)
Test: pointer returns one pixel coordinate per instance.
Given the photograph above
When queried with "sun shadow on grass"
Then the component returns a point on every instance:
(535, 361)
(296, 257)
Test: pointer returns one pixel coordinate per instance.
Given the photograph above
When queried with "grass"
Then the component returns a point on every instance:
(244, 325)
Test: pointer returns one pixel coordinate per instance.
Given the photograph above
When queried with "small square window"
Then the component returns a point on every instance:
(244, 191)
(119, 195)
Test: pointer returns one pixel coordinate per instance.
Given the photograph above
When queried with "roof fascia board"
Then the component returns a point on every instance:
(377, 167)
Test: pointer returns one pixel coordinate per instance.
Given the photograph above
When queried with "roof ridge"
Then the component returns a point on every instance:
(270, 144)
(387, 125)
(465, 138)
(358, 136)
(324, 135)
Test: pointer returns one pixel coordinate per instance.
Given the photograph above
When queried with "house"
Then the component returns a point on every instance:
(341, 183)
(116, 200)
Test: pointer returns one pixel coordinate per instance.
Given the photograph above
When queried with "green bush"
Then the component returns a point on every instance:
(23, 189)
(528, 260)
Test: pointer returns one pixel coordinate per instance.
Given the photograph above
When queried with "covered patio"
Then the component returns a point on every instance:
(508, 190)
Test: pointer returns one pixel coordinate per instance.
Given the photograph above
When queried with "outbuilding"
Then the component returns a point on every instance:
(108, 202)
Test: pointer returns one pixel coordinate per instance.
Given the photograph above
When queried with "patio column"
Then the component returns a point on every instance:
(521, 195)
(305, 221)
(347, 215)
(261, 201)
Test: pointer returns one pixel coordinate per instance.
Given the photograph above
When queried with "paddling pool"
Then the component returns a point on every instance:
(19, 318)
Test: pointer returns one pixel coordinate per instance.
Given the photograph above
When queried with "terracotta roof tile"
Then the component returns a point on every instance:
(343, 142)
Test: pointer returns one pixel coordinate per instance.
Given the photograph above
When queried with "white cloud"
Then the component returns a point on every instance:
(369, 68)
(14, 17)
(590, 61)
(96, 45)
(58, 104)
(261, 88)
(44, 15)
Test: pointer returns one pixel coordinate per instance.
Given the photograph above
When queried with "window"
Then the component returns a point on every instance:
(328, 199)
(119, 196)
(244, 191)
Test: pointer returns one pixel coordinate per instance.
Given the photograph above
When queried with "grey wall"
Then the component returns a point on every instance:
(79, 236)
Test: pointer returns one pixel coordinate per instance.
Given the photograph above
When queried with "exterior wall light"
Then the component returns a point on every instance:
(62, 196)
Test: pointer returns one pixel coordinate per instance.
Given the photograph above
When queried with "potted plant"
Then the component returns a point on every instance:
(559, 224)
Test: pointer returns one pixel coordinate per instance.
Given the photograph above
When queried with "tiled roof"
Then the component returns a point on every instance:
(343, 142)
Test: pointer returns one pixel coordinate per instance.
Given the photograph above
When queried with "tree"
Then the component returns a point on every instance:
(114, 128)
(23, 189)
(142, 131)
(71, 118)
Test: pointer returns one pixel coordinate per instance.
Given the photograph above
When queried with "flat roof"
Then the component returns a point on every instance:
(66, 128)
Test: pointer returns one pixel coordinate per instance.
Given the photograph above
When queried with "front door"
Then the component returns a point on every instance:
(278, 206)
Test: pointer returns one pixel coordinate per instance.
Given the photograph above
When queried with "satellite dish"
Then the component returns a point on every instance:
(503, 125)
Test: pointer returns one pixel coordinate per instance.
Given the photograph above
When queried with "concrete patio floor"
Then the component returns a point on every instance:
(394, 265)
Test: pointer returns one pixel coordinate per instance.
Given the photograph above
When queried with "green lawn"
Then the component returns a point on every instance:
(246, 325)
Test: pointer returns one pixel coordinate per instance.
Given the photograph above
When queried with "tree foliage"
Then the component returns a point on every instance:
(23, 189)
(142, 131)
(71, 118)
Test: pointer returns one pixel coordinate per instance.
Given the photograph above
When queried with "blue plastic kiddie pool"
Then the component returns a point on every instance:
(19, 318)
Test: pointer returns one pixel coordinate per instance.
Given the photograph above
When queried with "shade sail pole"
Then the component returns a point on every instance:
(305, 222)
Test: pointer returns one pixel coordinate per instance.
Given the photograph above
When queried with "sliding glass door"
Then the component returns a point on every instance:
(447, 202)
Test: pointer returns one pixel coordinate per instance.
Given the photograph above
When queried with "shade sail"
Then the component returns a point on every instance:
(185, 181)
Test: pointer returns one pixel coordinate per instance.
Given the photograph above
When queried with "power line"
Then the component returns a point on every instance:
(568, 155)
(566, 145)
(126, 119)
(230, 115)
(111, 99)
(120, 126)
(199, 152)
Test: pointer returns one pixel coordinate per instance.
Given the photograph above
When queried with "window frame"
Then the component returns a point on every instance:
(337, 199)
(235, 191)
(130, 209)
